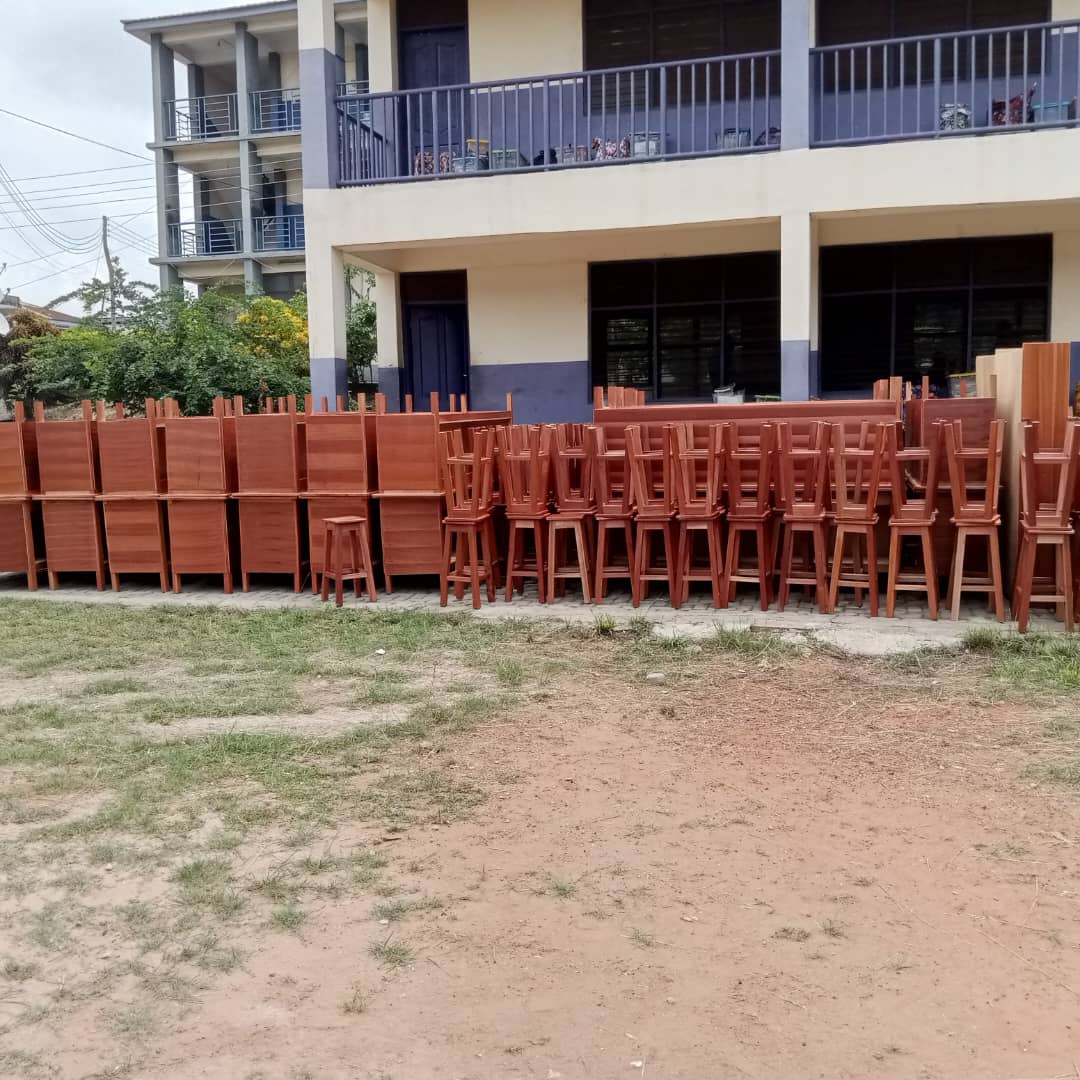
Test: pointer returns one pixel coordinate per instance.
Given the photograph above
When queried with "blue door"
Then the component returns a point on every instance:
(436, 351)
(429, 59)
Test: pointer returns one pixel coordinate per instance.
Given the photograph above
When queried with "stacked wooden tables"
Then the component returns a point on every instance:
(410, 494)
(132, 486)
(67, 465)
(201, 469)
(19, 524)
(270, 477)
(341, 472)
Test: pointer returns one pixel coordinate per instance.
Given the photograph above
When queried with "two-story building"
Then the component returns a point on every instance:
(227, 145)
(783, 196)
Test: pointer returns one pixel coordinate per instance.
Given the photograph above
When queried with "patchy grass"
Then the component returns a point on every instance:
(1026, 664)
(288, 917)
(111, 685)
(563, 888)
(792, 933)
(391, 953)
(398, 909)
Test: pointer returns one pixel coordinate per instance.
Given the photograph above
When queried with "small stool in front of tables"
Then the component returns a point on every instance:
(356, 567)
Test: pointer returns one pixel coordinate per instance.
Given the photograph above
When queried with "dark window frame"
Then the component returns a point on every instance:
(654, 308)
(973, 291)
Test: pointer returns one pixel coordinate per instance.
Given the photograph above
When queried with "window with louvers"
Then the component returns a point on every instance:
(678, 328)
(844, 21)
(638, 32)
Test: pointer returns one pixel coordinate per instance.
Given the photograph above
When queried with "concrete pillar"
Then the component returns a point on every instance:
(253, 276)
(382, 45)
(1064, 289)
(273, 61)
(796, 40)
(247, 76)
(249, 181)
(326, 292)
(321, 69)
(1064, 10)
(361, 64)
(799, 362)
(168, 277)
(390, 349)
(163, 76)
(196, 81)
(167, 185)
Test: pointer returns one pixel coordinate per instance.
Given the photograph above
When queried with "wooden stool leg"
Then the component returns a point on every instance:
(1066, 577)
(765, 571)
(369, 564)
(327, 555)
(602, 540)
(716, 565)
(540, 540)
(114, 578)
(838, 559)
(339, 569)
(895, 543)
(491, 559)
(512, 558)
(674, 579)
(460, 554)
(786, 559)
(474, 566)
(872, 569)
(931, 573)
(956, 582)
(1025, 571)
(357, 564)
(995, 574)
(821, 565)
(581, 531)
(444, 584)
(164, 581)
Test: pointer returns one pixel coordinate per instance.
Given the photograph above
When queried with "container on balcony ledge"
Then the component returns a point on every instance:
(646, 144)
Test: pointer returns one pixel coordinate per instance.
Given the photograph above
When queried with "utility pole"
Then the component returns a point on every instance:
(112, 272)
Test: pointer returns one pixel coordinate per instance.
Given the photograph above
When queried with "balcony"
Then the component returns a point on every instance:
(283, 233)
(946, 85)
(657, 112)
(275, 111)
(194, 119)
(211, 238)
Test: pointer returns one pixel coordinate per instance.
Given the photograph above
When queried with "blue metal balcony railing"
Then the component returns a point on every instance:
(282, 233)
(946, 84)
(728, 104)
(275, 110)
(211, 237)
(192, 119)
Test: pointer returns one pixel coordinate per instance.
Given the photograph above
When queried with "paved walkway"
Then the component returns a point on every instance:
(850, 628)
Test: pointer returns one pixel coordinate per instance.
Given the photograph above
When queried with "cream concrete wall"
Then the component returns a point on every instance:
(382, 45)
(315, 24)
(290, 70)
(1065, 287)
(388, 344)
(1015, 170)
(1061, 10)
(512, 39)
(529, 314)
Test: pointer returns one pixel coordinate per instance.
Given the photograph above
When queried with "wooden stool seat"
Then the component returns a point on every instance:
(975, 512)
(856, 481)
(468, 532)
(698, 475)
(347, 557)
(1046, 524)
(912, 516)
(575, 511)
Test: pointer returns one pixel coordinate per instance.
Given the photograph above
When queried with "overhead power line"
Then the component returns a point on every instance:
(74, 135)
(79, 172)
(63, 270)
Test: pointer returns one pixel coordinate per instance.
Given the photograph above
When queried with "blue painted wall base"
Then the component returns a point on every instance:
(797, 364)
(329, 378)
(548, 393)
(392, 384)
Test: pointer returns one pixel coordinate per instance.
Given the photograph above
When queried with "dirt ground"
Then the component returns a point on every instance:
(807, 866)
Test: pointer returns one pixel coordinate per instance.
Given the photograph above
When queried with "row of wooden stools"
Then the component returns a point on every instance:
(650, 504)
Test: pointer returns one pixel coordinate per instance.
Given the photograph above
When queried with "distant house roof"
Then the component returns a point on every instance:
(60, 319)
(144, 27)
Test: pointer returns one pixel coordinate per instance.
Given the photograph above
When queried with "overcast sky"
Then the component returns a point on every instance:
(69, 63)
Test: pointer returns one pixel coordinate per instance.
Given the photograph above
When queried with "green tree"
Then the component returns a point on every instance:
(360, 336)
(106, 303)
(26, 329)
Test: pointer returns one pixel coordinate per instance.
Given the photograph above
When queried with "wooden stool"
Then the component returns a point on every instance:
(357, 567)
(654, 497)
(912, 516)
(749, 511)
(468, 534)
(856, 480)
(975, 512)
(1046, 524)
(575, 510)
(802, 491)
(525, 472)
(614, 511)
(698, 476)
